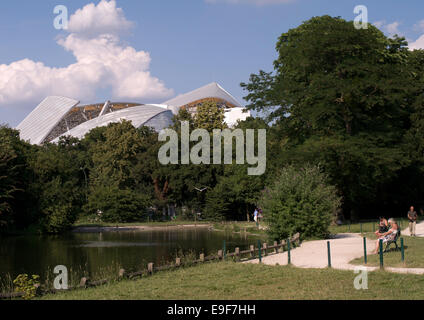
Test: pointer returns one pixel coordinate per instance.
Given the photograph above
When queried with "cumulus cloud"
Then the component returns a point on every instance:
(102, 62)
(105, 18)
(255, 2)
(390, 29)
(417, 44)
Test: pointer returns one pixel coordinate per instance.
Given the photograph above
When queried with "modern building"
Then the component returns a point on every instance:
(60, 116)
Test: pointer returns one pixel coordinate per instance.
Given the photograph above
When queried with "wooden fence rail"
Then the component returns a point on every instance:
(237, 254)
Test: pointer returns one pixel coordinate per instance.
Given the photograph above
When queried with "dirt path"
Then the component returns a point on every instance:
(344, 248)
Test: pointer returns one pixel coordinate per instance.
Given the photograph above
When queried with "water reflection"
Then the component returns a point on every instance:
(93, 251)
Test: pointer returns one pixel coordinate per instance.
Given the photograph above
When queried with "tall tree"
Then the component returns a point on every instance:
(339, 96)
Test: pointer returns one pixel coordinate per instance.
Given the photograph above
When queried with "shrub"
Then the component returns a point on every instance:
(23, 283)
(118, 205)
(300, 200)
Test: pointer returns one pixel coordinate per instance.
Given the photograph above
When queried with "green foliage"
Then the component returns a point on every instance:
(15, 177)
(209, 116)
(59, 183)
(117, 205)
(300, 200)
(343, 98)
(27, 285)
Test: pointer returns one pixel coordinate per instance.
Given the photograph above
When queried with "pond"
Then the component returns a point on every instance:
(87, 253)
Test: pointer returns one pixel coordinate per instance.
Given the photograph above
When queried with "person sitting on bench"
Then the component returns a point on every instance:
(390, 235)
(383, 226)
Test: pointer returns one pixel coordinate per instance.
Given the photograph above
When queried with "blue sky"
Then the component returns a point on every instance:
(189, 43)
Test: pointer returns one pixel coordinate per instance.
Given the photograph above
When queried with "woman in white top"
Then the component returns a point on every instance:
(387, 236)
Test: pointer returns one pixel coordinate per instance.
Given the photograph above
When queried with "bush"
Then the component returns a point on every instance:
(300, 200)
(57, 218)
(118, 205)
(27, 285)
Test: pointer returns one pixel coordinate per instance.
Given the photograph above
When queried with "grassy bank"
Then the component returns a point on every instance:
(228, 280)
(369, 226)
(414, 254)
(88, 223)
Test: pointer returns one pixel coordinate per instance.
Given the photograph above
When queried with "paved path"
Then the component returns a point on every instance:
(344, 248)
(419, 230)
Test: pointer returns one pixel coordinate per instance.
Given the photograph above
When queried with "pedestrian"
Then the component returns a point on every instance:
(255, 216)
(412, 217)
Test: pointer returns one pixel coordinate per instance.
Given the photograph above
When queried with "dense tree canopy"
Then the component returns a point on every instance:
(343, 98)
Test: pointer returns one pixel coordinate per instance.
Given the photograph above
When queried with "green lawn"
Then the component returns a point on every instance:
(229, 281)
(414, 254)
(366, 226)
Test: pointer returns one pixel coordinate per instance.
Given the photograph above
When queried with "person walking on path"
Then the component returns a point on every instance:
(255, 216)
(412, 217)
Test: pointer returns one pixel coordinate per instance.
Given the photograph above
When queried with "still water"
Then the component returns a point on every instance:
(89, 252)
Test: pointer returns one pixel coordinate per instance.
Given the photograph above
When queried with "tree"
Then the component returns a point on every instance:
(16, 202)
(339, 97)
(117, 189)
(113, 204)
(300, 200)
(59, 184)
(209, 116)
(234, 196)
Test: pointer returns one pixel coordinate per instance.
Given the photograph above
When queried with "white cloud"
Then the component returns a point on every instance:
(105, 18)
(102, 62)
(390, 29)
(255, 2)
(417, 44)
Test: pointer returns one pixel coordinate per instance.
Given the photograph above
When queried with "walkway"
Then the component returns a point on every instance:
(344, 248)
(419, 230)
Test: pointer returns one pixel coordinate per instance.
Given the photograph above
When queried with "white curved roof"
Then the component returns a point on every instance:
(138, 115)
(41, 121)
(212, 90)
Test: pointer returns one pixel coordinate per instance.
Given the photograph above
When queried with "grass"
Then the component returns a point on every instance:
(369, 226)
(229, 281)
(414, 254)
(240, 227)
(83, 222)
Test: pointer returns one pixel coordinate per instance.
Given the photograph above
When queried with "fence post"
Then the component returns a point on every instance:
(265, 246)
(237, 253)
(121, 274)
(282, 244)
(202, 257)
(252, 250)
(275, 247)
(365, 250)
(83, 282)
(381, 254)
(329, 254)
(219, 254)
(224, 249)
(260, 253)
(402, 250)
(150, 267)
(178, 262)
(288, 252)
